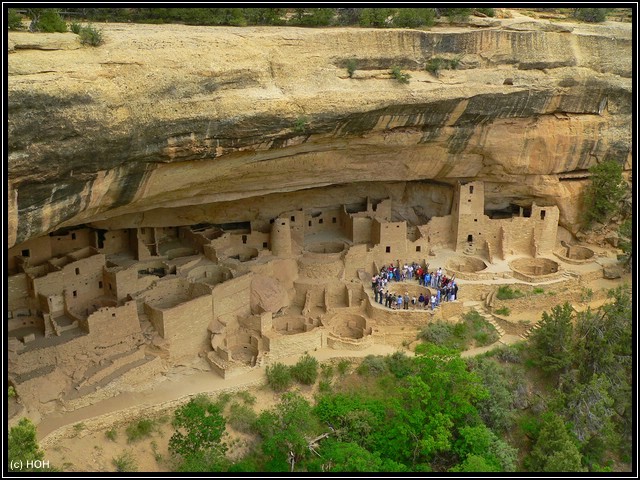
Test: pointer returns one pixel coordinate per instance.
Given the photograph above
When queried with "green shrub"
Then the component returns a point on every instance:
(140, 429)
(343, 366)
(538, 290)
(11, 392)
(375, 17)
(399, 364)
(489, 12)
(506, 293)
(413, 17)
(242, 418)
(278, 376)
(351, 66)
(91, 36)
(22, 446)
(438, 332)
(301, 125)
(75, 27)
(509, 353)
(125, 462)
(306, 370)
(14, 20)
(399, 75)
(592, 15)
(457, 14)
(199, 428)
(435, 64)
(372, 365)
(111, 434)
(48, 20)
(506, 311)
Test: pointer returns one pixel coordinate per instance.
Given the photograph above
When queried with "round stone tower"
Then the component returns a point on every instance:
(281, 237)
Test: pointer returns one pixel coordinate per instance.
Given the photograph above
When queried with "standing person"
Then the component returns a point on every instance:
(421, 300)
(438, 296)
(399, 301)
(406, 300)
(433, 302)
(387, 299)
(414, 301)
(381, 292)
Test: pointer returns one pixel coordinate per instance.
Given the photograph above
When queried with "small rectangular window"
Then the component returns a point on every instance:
(543, 213)
(321, 221)
(309, 222)
(75, 293)
(77, 271)
(418, 248)
(73, 236)
(334, 220)
(471, 189)
(388, 250)
(26, 253)
(113, 315)
(293, 218)
(265, 245)
(272, 220)
(244, 239)
(99, 284)
(475, 219)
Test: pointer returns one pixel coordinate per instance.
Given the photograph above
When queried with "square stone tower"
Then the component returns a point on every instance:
(467, 214)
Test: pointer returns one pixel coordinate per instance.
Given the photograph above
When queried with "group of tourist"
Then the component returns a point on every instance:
(445, 289)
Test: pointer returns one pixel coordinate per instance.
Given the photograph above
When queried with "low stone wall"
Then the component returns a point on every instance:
(342, 343)
(279, 345)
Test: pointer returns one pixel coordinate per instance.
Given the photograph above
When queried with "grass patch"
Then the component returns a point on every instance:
(343, 367)
(111, 434)
(538, 290)
(246, 397)
(242, 418)
(351, 66)
(505, 292)
(506, 311)
(140, 429)
(125, 462)
(326, 371)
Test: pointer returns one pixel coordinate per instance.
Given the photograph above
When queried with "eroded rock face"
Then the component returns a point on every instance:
(170, 124)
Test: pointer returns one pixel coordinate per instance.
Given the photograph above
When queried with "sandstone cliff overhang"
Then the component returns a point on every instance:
(162, 118)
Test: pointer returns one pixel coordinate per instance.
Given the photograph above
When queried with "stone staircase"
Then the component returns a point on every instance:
(480, 308)
(491, 319)
(526, 334)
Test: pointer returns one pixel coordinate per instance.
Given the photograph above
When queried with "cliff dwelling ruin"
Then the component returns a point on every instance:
(92, 308)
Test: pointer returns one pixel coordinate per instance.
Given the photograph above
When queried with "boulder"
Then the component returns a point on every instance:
(611, 272)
